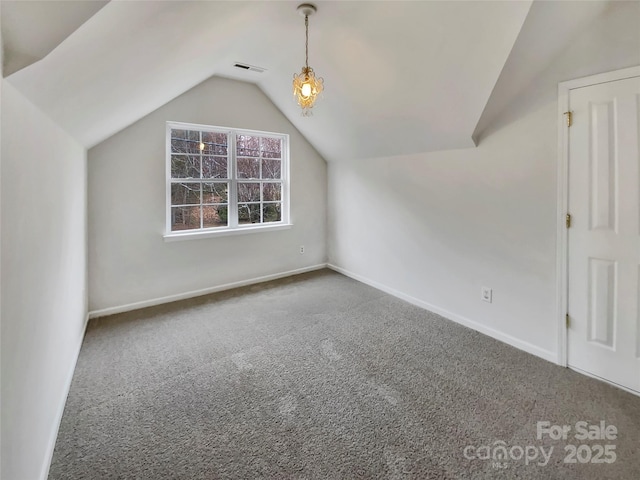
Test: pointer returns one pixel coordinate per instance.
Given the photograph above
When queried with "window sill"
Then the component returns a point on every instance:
(178, 236)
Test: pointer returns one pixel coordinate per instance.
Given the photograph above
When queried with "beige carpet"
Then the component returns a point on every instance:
(321, 377)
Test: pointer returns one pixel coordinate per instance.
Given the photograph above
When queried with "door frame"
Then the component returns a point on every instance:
(562, 244)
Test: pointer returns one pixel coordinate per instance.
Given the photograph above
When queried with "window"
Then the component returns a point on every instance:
(225, 180)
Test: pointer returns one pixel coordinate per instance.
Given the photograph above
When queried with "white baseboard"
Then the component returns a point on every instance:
(44, 470)
(197, 293)
(479, 327)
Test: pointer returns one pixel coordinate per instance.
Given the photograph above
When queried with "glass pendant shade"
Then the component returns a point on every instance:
(306, 88)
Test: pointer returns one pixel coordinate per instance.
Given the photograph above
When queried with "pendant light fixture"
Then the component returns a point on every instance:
(306, 86)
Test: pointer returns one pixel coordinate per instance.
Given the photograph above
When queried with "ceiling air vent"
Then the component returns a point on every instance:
(251, 68)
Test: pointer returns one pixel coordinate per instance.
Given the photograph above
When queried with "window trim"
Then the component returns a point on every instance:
(233, 227)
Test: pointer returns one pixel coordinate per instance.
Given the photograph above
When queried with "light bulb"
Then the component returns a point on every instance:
(306, 90)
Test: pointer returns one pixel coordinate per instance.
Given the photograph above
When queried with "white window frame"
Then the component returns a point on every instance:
(233, 227)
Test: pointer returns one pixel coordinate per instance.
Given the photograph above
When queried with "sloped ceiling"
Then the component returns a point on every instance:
(550, 28)
(32, 29)
(400, 77)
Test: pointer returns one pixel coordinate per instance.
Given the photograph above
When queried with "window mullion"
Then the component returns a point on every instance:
(201, 198)
(260, 153)
(168, 173)
(200, 178)
(233, 181)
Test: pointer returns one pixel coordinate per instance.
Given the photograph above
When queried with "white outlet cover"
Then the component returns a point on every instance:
(487, 294)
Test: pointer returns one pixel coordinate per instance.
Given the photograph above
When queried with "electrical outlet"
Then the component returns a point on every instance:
(487, 294)
(301, 249)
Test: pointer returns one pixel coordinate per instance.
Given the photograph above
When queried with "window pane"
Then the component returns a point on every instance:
(271, 168)
(248, 146)
(185, 141)
(185, 193)
(248, 168)
(214, 167)
(214, 216)
(248, 192)
(215, 193)
(178, 133)
(272, 212)
(248, 213)
(214, 143)
(271, 192)
(185, 218)
(185, 166)
(272, 148)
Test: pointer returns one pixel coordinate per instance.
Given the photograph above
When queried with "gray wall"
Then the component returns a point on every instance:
(130, 262)
(43, 280)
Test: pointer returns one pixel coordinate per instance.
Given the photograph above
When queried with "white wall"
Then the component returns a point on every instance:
(130, 262)
(436, 227)
(43, 261)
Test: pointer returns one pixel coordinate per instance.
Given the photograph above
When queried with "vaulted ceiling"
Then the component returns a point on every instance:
(400, 77)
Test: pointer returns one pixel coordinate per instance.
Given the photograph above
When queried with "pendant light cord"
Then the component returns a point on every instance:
(306, 45)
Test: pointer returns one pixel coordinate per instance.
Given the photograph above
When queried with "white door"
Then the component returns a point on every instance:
(604, 237)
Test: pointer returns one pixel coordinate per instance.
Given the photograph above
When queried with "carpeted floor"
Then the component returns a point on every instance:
(319, 376)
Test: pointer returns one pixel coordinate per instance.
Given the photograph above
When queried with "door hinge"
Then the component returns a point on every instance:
(569, 116)
(568, 220)
(567, 319)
